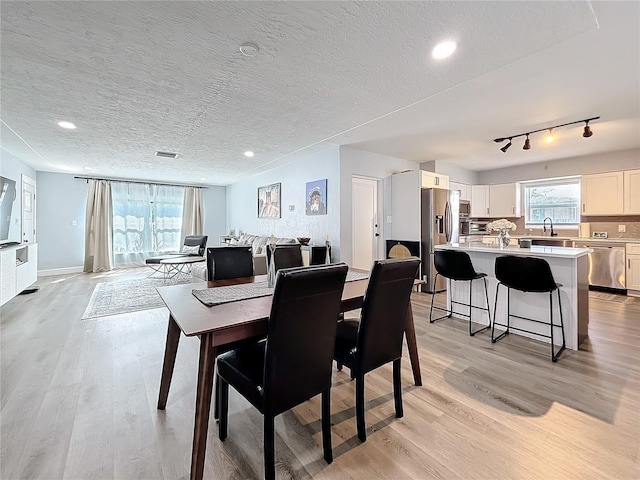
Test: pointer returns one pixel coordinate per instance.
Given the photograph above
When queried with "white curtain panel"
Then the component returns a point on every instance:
(98, 256)
(193, 212)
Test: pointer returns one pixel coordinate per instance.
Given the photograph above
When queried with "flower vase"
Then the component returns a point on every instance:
(271, 270)
(327, 258)
(504, 239)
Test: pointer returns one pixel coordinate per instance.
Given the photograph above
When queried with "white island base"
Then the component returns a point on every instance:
(569, 267)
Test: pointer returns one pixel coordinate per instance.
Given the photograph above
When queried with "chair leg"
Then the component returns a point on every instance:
(269, 448)
(362, 430)
(339, 366)
(326, 425)
(555, 356)
(495, 307)
(216, 400)
(433, 296)
(224, 406)
(397, 388)
(482, 329)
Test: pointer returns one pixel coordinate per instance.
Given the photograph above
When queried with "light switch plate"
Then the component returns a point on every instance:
(388, 218)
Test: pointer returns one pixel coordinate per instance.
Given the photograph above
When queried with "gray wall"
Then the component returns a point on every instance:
(62, 200)
(215, 213)
(13, 168)
(597, 163)
(242, 201)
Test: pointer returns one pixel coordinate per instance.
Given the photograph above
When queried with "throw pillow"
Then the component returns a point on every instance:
(190, 250)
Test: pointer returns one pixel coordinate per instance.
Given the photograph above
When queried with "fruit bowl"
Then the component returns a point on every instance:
(303, 240)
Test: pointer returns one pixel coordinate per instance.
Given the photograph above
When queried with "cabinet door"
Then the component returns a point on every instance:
(504, 200)
(602, 194)
(7, 275)
(480, 201)
(434, 180)
(632, 192)
(465, 190)
(633, 272)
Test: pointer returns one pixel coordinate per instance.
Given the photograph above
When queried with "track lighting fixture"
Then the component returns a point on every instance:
(527, 144)
(506, 147)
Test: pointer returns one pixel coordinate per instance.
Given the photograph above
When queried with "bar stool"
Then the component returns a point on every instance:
(530, 275)
(457, 266)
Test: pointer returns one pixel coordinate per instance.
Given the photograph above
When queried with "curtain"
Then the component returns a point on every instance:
(98, 252)
(147, 220)
(193, 212)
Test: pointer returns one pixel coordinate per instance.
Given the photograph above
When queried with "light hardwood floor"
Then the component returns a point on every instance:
(78, 401)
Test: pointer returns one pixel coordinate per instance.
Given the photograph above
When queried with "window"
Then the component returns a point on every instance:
(146, 220)
(558, 199)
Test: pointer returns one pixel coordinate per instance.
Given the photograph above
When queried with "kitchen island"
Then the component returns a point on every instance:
(569, 267)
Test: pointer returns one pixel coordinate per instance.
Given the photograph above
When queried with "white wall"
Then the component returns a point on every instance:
(597, 163)
(62, 199)
(13, 168)
(242, 201)
(354, 162)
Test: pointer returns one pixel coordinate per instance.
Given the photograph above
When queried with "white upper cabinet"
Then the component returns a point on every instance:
(479, 201)
(602, 193)
(465, 190)
(632, 192)
(434, 180)
(504, 200)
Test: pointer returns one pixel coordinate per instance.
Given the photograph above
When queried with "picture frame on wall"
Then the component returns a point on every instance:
(269, 201)
(316, 197)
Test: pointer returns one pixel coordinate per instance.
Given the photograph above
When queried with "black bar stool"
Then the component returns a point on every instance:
(527, 274)
(457, 266)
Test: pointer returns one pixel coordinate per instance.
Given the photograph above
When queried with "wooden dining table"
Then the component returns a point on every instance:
(225, 323)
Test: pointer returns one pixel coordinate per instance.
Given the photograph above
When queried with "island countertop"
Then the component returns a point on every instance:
(535, 251)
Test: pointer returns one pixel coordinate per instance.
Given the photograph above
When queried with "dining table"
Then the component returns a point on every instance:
(228, 322)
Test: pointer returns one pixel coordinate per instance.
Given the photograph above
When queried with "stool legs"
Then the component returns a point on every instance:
(470, 305)
(554, 355)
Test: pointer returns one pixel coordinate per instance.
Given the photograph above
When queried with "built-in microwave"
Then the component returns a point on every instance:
(477, 227)
(465, 209)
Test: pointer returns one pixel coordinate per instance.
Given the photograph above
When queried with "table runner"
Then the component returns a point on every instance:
(244, 291)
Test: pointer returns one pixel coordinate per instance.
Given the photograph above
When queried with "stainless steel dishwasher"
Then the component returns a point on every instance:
(606, 264)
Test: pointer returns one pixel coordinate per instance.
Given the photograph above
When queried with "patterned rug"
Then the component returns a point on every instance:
(115, 298)
(612, 297)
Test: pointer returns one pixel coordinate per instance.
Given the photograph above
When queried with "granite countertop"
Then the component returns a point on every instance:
(538, 251)
(576, 239)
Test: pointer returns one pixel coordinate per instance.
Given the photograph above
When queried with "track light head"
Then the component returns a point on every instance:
(550, 136)
(527, 143)
(587, 130)
(506, 147)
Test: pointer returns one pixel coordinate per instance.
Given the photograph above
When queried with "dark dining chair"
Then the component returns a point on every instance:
(319, 254)
(376, 338)
(229, 262)
(286, 256)
(294, 362)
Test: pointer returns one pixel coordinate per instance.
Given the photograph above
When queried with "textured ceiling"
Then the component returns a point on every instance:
(136, 77)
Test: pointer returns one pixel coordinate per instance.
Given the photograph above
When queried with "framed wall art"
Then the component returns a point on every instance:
(316, 198)
(269, 201)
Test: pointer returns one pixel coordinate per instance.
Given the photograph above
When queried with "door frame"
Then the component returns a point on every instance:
(26, 180)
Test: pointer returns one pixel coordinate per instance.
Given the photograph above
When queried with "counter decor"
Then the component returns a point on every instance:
(502, 226)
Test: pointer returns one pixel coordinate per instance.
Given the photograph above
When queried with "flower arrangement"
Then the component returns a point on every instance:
(502, 224)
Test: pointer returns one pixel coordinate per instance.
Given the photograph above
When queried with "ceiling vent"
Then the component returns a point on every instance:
(166, 154)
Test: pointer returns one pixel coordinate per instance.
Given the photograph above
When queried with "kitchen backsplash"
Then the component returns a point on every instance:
(589, 224)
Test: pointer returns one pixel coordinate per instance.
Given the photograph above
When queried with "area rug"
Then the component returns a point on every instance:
(609, 297)
(115, 298)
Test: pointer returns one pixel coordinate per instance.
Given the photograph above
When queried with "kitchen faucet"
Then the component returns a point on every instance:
(544, 226)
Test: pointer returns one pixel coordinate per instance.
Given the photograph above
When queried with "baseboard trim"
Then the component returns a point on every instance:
(59, 271)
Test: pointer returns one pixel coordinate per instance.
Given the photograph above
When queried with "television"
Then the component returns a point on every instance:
(7, 199)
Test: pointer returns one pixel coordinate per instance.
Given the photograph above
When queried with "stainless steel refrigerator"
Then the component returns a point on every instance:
(440, 221)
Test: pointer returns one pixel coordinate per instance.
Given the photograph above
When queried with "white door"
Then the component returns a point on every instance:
(365, 228)
(28, 209)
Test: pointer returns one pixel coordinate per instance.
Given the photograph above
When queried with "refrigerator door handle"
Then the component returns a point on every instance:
(447, 222)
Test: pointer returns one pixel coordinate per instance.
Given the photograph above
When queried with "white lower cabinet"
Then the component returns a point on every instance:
(633, 269)
(18, 270)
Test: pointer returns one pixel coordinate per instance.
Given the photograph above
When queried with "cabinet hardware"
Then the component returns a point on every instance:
(513, 210)
(583, 207)
(629, 263)
(437, 181)
(487, 210)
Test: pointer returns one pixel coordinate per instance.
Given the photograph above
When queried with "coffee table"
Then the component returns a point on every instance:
(176, 266)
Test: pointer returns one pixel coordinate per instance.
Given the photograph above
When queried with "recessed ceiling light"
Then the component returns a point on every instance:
(444, 49)
(88, 168)
(166, 154)
(202, 178)
(248, 153)
(67, 125)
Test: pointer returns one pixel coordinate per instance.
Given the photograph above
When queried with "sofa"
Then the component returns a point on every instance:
(258, 247)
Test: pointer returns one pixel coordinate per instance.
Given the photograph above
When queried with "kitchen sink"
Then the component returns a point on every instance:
(552, 242)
